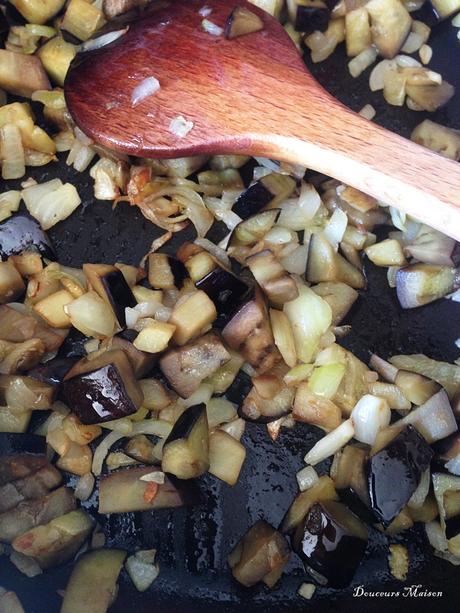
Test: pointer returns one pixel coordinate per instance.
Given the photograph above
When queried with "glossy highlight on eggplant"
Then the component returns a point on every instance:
(22, 233)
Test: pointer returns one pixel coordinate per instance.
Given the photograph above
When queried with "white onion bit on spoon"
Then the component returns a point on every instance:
(147, 87)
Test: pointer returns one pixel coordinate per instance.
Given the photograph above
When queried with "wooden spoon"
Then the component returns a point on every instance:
(250, 95)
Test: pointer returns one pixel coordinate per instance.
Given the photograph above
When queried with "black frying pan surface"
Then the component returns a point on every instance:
(193, 543)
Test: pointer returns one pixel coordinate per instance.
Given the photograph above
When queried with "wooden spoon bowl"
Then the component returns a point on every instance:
(250, 95)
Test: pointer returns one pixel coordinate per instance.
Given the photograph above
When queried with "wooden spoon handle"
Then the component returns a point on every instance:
(340, 143)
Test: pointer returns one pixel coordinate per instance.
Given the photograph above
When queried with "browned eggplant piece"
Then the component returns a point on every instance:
(31, 513)
(434, 11)
(102, 389)
(324, 264)
(22, 233)
(323, 489)
(331, 542)
(17, 327)
(264, 410)
(308, 16)
(35, 485)
(11, 283)
(125, 491)
(25, 392)
(249, 333)
(186, 367)
(57, 541)
(20, 466)
(269, 190)
(113, 8)
(141, 449)
(141, 361)
(394, 472)
(92, 586)
(53, 372)
(225, 290)
(19, 444)
(350, 481)
(165, 272)
(186, 450)
(260, 555)
(242, 21)
(249, 231)
(110, 284)
(275, 281)
(419, 284)
(448, 448)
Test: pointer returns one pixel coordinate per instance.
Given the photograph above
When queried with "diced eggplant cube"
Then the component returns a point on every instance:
(11, 283)
(331, 542)
(125, 491)
(226, 456)
(21, 233)
(35, 485)
(249, 332)
(31, 513)
(260, 555)
(110, 284)
(186, 450)
(165, 272)
(57, 541)
(225, 290)
(308, 16)
(394, 472)
(141, 361)
(265, 410)
(252, 200)
(102, 389)
(187, 366)
(192, 316)
(53, 372)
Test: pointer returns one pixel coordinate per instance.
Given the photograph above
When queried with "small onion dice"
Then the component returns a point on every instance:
(370, 415)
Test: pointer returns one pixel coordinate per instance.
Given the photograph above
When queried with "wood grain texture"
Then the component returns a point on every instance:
(250, 95)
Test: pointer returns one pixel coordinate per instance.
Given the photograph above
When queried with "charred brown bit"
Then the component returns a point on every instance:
(186, 367)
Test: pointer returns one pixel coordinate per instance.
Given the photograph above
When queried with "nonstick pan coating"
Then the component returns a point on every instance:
(193, 544)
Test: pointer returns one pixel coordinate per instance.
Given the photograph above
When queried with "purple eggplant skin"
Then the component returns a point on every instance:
(119, 294)
(252, 200)
(4, 27)
(98, 396)
(327, 547)
(185, 424)
(178, 270)
(20, 443)
(21, 233)
(312, 18)
(393, 473)
(356, 505)
(53, 372)
(225, 290)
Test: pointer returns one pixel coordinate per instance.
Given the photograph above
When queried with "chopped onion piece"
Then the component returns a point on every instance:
(368, 112)
(306, 590)
(156, 476)
(331, 443)
(142, 569)
(235, 428)
(306, 477)
(418, 497)
(370, 415)
(211, 28)
(453, 466)
(434, 419)
(11, 152)
(362, 61)
(102, 451)
(146, 88)
(425, 54)
(101, 41)
(157, 427)
(436, 536)
(336, 227)
(205, 11)
(180, 127)
(84, 487)
(28, 566)
(9, 203)
(51, 202)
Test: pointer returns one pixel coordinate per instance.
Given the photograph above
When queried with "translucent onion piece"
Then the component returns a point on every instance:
(51, 202)
(180, 127)
(84, 487)
(9, 203)
(211, 28)
(306, 477)
(331, 443)
(336, 227)
(91, 315)
(370, 415)
(146, 88)
(102, 451)
(142, 572)
(235, 428)
(418, 497)
(101, 41)
(453, 466)
(11, 152)
(434, 419)
(362, 61)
